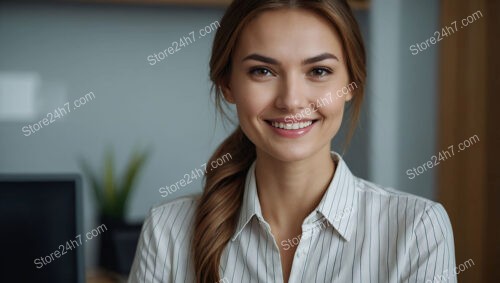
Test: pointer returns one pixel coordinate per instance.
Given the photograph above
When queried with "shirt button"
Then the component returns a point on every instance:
(299, 253)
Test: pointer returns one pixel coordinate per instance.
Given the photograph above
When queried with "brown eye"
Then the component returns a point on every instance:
(320, 72)
(260, 72)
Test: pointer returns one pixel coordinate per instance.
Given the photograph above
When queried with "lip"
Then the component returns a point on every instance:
(285, 120)
(297, 133)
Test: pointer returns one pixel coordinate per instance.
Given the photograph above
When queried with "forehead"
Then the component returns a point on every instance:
(288, 34)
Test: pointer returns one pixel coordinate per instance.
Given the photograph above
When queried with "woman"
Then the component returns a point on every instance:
(286, 208)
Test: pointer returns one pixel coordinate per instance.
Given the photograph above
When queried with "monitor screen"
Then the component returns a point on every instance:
(40, 223)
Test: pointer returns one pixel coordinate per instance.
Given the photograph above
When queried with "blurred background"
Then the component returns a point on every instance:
(112, 97)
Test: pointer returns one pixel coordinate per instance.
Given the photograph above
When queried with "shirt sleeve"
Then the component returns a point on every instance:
(146, 266)
(431, 252)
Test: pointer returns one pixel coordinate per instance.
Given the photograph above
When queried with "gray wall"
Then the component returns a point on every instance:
(80, 48)
(402, 93)
(103, 49)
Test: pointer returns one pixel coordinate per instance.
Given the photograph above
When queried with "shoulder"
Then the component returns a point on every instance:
(410, 209)
(175, 215)
(387, 194)
(188, 202)
(418, 226)
(170, 222)
(164, 243)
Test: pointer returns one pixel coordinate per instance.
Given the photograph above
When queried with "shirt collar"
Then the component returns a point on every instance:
(338, 204)
(340, 201)
(251, 203)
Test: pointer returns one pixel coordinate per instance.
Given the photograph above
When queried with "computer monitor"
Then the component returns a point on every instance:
(40, 215)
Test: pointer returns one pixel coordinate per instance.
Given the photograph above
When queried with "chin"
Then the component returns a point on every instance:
(290, 153)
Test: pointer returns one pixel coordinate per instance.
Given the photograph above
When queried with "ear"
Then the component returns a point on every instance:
(348, 96)
(227, 93)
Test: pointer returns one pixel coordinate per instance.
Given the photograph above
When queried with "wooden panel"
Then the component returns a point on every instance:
(355, 4)
(469, 89)
(492, 243)
(220, 3)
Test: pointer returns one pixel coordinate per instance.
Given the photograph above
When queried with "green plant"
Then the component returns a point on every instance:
(111, 194)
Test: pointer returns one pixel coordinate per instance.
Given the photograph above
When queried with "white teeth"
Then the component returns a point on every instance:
(291, 126)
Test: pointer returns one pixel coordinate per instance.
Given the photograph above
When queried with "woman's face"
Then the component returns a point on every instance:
(287, 67)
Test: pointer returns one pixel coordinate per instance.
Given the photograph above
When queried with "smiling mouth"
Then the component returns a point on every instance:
(291, 126)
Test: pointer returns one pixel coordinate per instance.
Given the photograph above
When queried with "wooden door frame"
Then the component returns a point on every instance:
(469, 89)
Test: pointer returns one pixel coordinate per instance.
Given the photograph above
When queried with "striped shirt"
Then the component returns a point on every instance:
(359, 232)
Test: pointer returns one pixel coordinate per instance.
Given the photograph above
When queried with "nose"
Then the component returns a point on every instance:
(292, 95)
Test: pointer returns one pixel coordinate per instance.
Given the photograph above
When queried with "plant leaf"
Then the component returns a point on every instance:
(109, 184)
(134, 167)
(94, 183)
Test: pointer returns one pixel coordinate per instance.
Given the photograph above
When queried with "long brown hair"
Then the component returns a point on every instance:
(219, 206)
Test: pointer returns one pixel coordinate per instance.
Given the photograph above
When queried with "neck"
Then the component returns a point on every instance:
(289, 191)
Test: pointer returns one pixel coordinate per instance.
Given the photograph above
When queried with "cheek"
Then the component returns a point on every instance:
(246, 113)
(333, 111)
(251, 100)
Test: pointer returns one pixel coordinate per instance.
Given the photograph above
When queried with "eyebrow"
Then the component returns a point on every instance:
(269, 60)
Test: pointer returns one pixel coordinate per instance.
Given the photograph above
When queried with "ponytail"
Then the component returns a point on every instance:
(218, 209)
